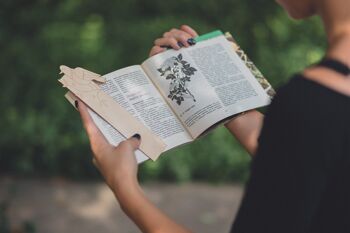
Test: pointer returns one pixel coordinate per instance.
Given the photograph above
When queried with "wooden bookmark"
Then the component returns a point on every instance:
(84, 84)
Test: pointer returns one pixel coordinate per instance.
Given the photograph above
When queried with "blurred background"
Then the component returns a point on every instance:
(47, 181)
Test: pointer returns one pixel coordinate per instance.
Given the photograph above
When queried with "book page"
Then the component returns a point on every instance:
(235, 85)
(264, 83)
(187, 92)
(205, 84)
(131, 88)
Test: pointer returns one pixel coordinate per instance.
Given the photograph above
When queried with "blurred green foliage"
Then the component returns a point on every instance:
(41, 134)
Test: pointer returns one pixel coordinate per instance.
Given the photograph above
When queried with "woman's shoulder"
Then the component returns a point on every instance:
(303, 98)
(302, 87)
(329, 79)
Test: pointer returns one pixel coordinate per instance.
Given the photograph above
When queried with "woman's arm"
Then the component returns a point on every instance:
(119, 168)
(144, 213)
(246, 128)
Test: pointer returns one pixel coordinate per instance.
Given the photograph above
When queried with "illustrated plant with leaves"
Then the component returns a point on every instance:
(179, 72)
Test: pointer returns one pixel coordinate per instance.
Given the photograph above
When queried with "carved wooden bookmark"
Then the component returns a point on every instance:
(84, 84)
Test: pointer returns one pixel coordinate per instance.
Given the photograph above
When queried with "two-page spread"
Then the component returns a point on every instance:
(179, 95)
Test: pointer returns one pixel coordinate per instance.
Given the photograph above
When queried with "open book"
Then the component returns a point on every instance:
(181, 95)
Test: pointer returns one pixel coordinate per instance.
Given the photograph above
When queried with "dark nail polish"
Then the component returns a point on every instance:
(76, 103)
(137, 136)
(166, 47)
(191, 41)
(180, 44)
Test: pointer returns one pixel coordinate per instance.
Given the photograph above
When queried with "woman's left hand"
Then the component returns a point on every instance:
(117, 164)
(119, 168)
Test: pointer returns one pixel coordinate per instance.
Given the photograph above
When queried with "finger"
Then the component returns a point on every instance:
(189, 30)
(135, 141)
(155, 50)
(167, 41)
(179, 35)
(131, 144)
(94, 134)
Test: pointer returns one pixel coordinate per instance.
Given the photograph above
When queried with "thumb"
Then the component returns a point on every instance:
(135, 141)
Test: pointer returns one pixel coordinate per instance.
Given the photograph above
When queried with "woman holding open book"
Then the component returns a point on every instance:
(301, 168)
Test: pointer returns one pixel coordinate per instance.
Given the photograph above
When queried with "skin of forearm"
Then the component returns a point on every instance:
(142, 212)
(246, 128)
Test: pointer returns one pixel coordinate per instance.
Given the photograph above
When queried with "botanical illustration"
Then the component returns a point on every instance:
(178, 72)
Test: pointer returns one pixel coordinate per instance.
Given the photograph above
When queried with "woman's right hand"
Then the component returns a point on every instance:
(175, 38)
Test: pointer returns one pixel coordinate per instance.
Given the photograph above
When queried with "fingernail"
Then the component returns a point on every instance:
(180, 44)
(166, 47)
(76, 103)
(191, 41)
(137, 136)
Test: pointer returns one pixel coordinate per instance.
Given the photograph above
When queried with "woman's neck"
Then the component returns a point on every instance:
(336, 18)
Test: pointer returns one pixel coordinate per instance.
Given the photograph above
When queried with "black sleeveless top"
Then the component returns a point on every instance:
(300, 177)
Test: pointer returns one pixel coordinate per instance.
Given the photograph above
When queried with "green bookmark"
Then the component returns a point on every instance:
(209, 35)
